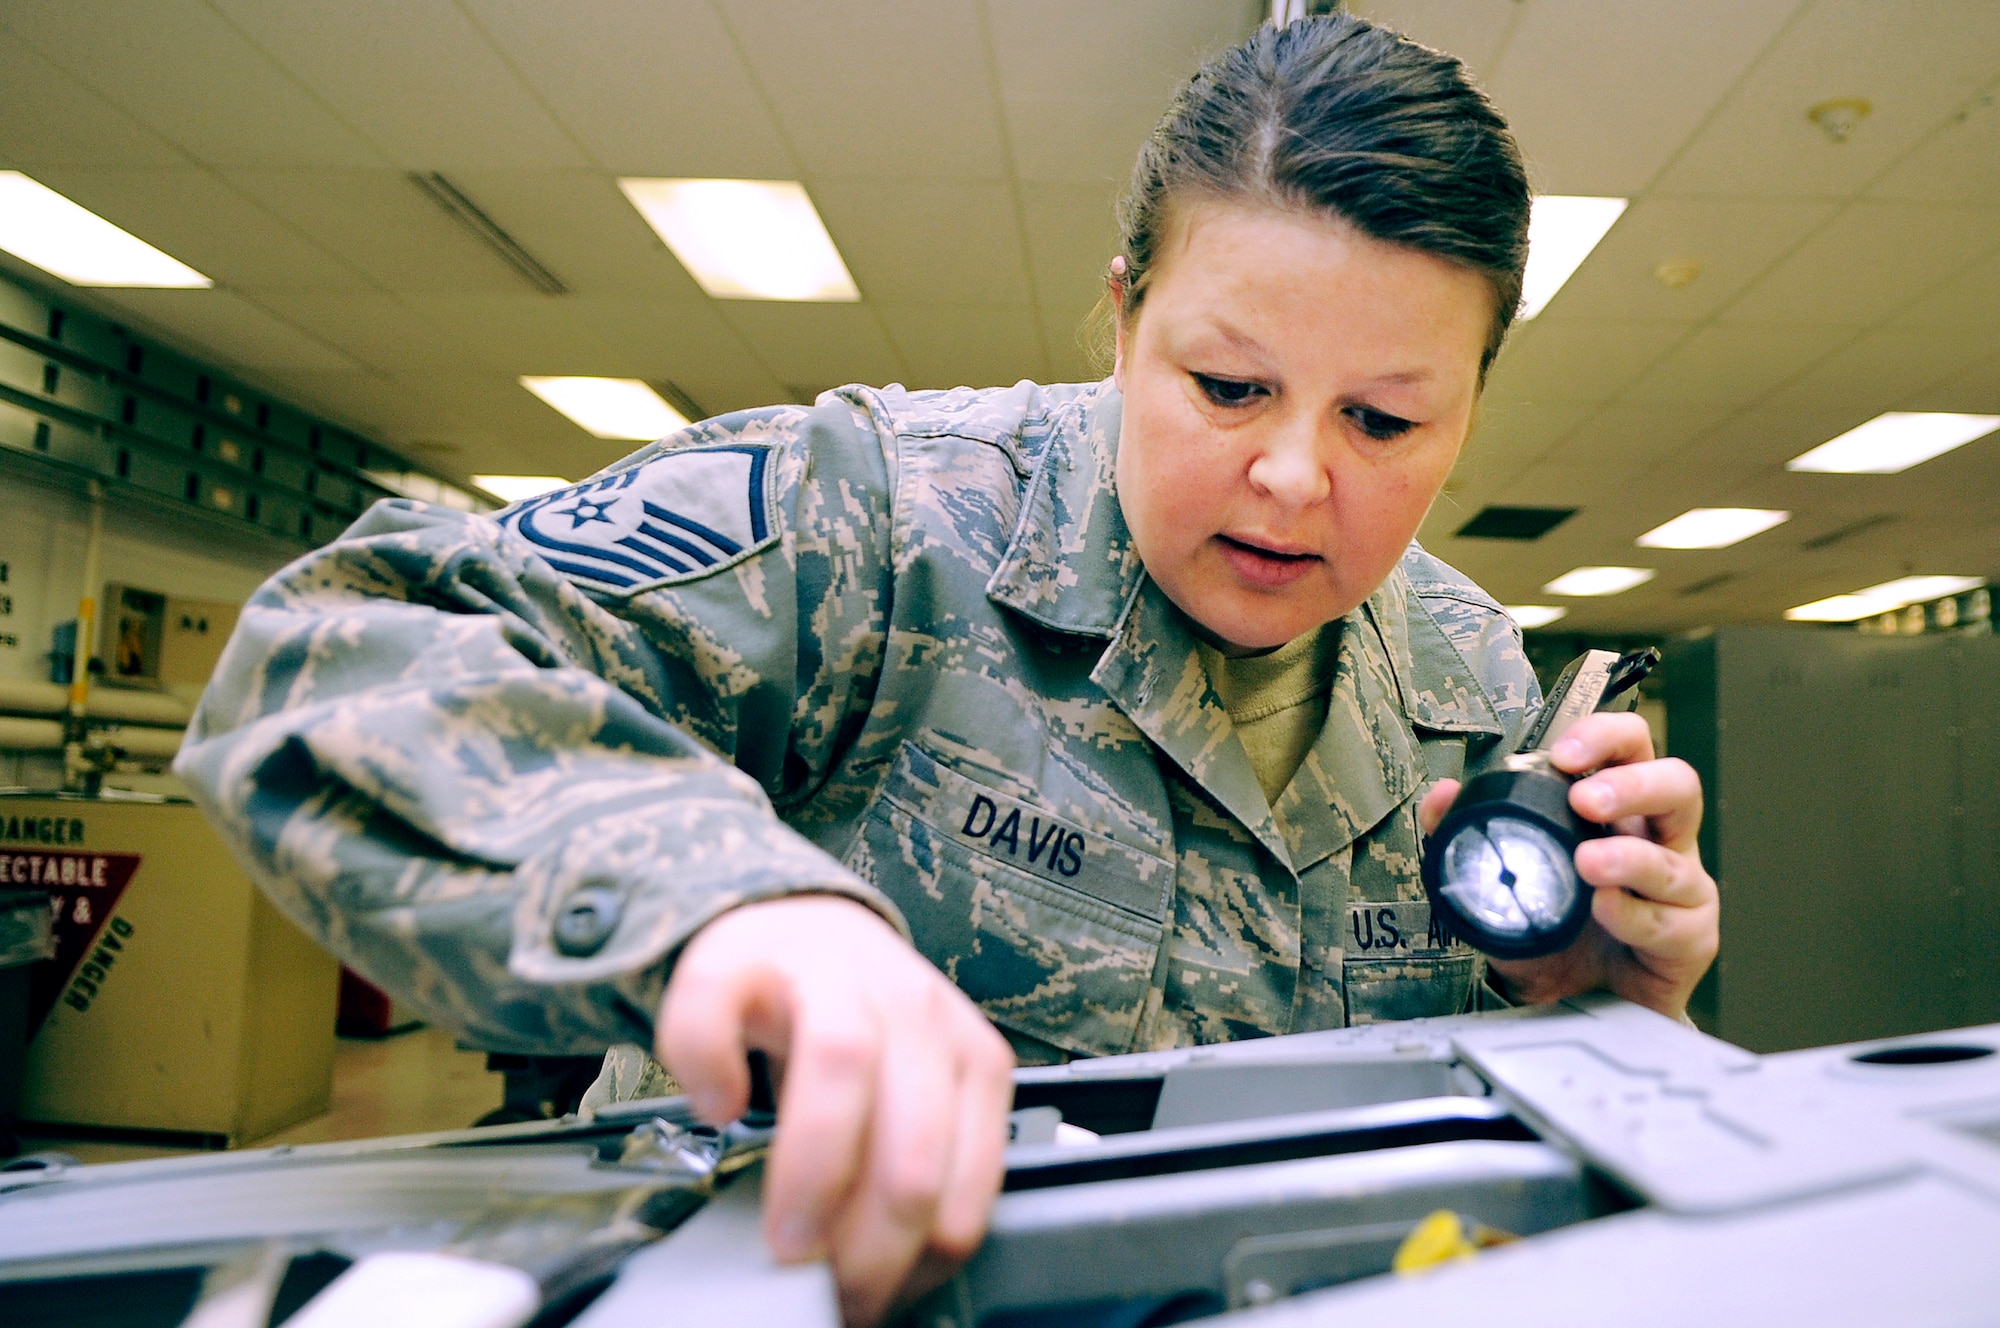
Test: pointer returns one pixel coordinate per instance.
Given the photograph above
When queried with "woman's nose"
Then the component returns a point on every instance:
(1291, 468)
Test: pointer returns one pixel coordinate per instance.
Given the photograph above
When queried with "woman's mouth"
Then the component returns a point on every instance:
(1266, 566)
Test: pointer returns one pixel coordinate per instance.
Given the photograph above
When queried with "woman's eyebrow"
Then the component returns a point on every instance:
(1235, 336)
(1405, 377)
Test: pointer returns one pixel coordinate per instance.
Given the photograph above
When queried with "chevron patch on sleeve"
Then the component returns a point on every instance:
(680, 516)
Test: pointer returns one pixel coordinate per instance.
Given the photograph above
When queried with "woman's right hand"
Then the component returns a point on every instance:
(893, 1089)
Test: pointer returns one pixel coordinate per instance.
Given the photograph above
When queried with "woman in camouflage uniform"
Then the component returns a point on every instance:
(1104, 715)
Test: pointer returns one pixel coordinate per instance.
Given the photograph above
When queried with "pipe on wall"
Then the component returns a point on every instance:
(112, 705)
(30, 735)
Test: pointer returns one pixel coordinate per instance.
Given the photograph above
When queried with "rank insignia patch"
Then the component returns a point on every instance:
(677, 517)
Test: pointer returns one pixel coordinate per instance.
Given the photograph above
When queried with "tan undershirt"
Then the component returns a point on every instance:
(1276, 701)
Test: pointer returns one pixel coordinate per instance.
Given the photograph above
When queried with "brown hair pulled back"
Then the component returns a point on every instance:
(1335, 115)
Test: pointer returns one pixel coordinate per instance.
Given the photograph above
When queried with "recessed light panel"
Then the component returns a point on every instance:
(40, 226)
(1531, 616)
(1562, 230)
(1712, 528)
(1592, 581)
(1881, 599)
(1894, 442)
(514, 488)
(622, 408)
(745, 239)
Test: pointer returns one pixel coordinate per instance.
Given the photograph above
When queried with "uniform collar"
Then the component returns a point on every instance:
(1071, 564)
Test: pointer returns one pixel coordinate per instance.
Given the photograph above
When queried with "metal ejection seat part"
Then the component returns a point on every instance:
(1610, 1164)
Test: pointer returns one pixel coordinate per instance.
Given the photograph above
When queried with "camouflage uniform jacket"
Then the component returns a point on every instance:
(896, 645)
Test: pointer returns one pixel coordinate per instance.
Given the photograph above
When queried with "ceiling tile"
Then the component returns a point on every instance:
(1869, 262)
(184, 73)
(385, 227)
(1505, 440)
(226, 326)
(655, 89)
(816, 346)
(1071, 238)
(1975, 391)
(370, 327)
(936, 242)
(1729, 365)
(966, 346)
(1635, 438)
(1734, 240)
(1476, 31)
(687, 343)
(1083, 85)
(895, 90)
(1968, 303)
(1916, 62)
(1079, 139)
(1642, 75)
(1882, 370)
(415, 77)
(49, 118)
(580, 226)
(1139, 49)
(1959, 163)
(1755, 442)
(1580, 360)
(525, 333)
(204, 222)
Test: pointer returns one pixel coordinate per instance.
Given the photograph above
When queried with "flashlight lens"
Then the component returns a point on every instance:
(1509, 876)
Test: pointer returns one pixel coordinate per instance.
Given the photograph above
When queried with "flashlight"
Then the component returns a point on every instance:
(1502, 863)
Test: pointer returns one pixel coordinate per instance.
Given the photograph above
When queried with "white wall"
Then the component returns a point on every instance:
(42, 534)
(43, 528)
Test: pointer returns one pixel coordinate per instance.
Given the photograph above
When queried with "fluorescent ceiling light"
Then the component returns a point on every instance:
(1562, 230)
(622, 408)
(745, 239)
(39, 225)
(1894, 442)
(1712, 528)
(513, 488)
(1599, 580)
(1531, 616)
(1880, 599)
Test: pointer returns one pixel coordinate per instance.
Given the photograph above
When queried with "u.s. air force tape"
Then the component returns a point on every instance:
(684, 514)
(1400, 928)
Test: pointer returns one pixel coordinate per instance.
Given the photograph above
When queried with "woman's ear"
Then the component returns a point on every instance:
(1116, 287)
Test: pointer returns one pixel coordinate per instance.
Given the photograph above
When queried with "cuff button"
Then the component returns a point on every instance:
(587, 921)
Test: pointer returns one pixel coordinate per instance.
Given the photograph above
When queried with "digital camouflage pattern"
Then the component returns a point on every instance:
(936, 679)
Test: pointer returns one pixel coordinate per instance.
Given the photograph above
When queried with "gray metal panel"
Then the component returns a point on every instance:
(1978, 825)
(1845, 775)
(1918, 1252)
(716, 1270)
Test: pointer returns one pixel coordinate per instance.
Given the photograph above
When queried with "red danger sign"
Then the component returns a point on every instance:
(83, 889)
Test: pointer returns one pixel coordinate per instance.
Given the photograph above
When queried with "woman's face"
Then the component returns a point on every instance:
(1295, 395)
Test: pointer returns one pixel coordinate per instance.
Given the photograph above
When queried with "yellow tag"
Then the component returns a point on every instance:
(1439, 1238)
(1443, 1237)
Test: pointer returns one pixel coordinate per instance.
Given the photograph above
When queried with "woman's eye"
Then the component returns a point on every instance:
(1227, 391)
(1379, 424)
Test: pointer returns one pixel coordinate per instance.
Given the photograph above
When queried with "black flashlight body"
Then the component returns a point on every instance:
(1527, 789)
(1525, 793)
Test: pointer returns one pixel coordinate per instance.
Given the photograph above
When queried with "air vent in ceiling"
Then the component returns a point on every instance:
(1709, 583)
(1515, 523)
(469, 215)
(1849, 531)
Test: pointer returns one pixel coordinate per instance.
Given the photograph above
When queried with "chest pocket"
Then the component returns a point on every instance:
(1051, 928)
(1402, 964)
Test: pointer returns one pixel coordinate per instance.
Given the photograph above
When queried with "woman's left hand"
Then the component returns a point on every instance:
(1655, 919)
